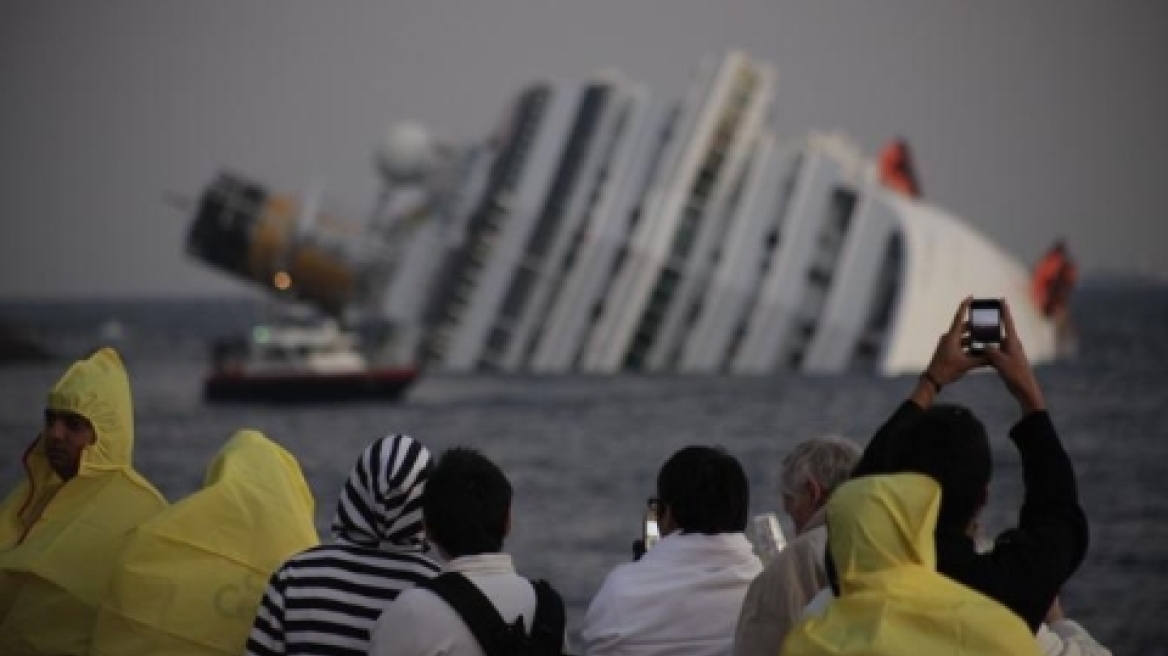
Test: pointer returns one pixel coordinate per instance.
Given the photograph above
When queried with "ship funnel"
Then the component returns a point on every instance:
(241, 228)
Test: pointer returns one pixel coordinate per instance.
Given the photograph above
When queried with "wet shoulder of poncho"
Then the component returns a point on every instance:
(192, 577)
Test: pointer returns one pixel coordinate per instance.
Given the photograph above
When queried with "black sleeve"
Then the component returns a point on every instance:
(1034, 560)
(878, 454)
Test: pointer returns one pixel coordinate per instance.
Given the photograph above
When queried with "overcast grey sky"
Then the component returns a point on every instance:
(1029, 119)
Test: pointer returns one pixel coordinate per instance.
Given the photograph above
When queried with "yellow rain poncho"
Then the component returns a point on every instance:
(892, 601)
(59, 540)
(191, 578)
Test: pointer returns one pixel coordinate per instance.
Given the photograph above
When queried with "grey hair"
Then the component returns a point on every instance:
(828, 460)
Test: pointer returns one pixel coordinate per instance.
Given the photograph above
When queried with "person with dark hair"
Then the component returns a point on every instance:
(326, 599)
(683, 595)
(704, 490)
(466, 510)
(62, 527)
(1028, 565)
(962, 462)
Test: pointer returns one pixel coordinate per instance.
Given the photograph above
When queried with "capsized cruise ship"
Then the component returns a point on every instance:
(604, 228)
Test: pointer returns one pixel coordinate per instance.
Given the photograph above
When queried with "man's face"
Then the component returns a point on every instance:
(66, 436)
(801, 503)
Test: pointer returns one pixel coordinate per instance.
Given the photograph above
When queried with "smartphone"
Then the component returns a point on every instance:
(766, 535)
(651, 533)
(985, 324)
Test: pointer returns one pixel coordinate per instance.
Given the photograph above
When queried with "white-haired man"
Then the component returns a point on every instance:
(776, 597)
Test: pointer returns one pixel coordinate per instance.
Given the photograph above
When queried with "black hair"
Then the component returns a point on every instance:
(705, 488)
(466, 504)
(949, 444)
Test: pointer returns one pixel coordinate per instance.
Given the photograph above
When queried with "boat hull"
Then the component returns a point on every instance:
(379, 385)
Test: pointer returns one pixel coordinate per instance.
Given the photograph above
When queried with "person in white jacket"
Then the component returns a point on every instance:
(682, 597)
(466, 509)
(774, 601)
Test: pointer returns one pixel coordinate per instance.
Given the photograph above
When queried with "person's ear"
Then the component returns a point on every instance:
(507, 524)
(433, 544)
(666, 522)
(815, 492)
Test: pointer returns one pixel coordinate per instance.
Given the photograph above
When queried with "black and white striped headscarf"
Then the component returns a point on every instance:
(381, 503)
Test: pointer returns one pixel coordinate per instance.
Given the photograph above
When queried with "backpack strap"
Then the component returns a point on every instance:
(476, 610)
(547, 627)
(494, 635)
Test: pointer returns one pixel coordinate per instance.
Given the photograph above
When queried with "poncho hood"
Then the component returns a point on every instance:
(892, 601)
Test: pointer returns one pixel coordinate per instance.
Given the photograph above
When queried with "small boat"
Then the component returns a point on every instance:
(318, 363)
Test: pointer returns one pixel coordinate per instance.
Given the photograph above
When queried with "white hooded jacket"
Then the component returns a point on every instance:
(682, 598)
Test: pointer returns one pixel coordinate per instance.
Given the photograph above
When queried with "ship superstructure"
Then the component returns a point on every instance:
(604, 229)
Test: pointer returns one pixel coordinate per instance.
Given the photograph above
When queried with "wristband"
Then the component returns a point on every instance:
(932, 381)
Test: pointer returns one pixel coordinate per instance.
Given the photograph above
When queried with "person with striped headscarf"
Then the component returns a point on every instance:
(325, 600)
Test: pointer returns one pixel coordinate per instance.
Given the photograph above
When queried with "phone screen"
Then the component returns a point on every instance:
(986, 318)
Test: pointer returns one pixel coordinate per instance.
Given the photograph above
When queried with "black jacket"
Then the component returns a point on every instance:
(1030, 563)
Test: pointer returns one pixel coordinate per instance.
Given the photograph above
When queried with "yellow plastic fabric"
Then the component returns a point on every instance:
(192, 577)
(892, 601)
(59, 540)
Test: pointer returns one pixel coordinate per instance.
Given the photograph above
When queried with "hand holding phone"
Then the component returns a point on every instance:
(951, 359)
(1014, 367)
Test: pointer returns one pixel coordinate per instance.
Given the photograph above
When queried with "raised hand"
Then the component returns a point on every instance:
(950, 360)
(1009, 359)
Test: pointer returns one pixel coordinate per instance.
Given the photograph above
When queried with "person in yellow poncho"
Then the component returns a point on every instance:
(62, 527)
(891, 598)
(192, 577)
